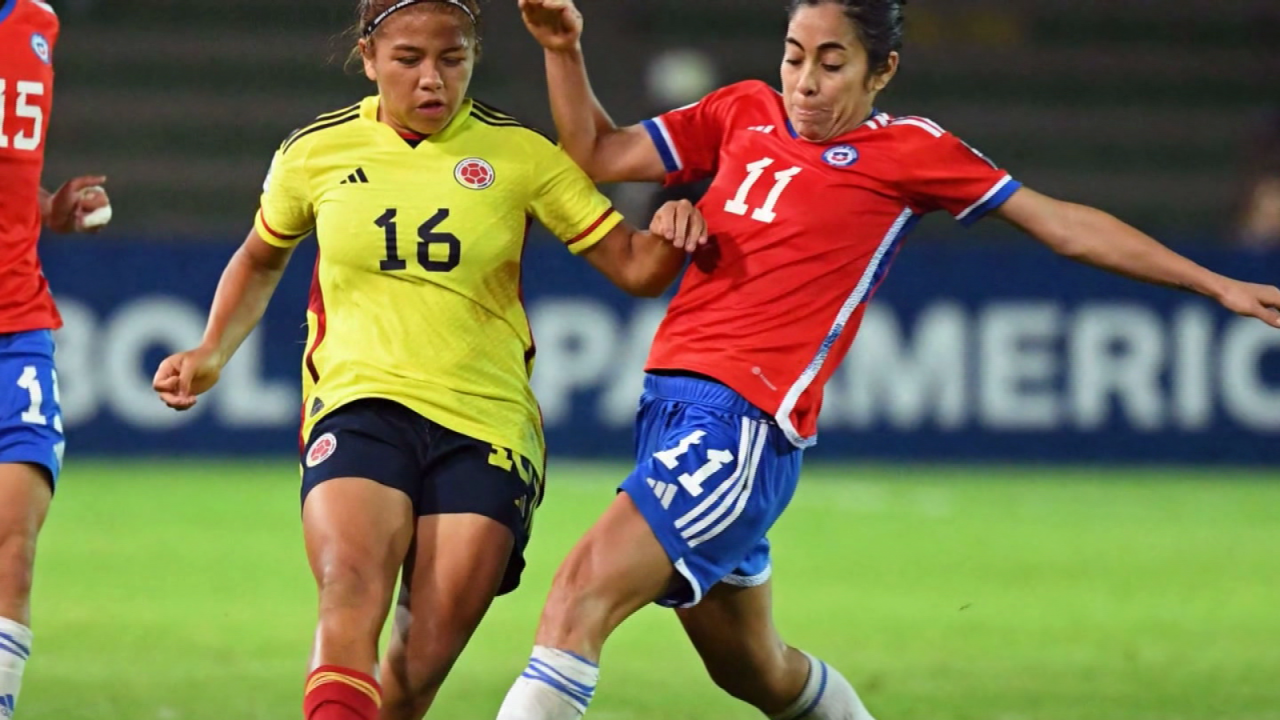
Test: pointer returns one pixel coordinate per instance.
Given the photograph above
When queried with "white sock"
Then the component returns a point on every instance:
(15, 648)
(826, 696)
(556, 685)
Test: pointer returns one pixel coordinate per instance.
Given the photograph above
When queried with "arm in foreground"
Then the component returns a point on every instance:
(1096, 238)
(246, 287)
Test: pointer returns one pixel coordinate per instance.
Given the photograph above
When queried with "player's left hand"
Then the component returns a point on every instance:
(80, 205)
(680, 223)
(1253, 300)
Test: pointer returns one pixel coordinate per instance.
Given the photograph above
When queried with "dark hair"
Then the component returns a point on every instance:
(878, 24)
(368, 10)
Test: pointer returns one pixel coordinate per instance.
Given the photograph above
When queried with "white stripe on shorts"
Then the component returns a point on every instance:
(750, 477)
(744, 445)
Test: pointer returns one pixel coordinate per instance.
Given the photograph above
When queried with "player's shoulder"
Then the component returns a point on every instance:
(325, 127)
(909, 128)
(505, 127)
(30, 15)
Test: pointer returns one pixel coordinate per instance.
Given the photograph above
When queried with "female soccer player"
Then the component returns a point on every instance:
(422, 445)
(813, 190)
(31, 439)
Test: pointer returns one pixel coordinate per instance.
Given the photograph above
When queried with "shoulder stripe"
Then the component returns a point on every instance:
(930, 128)
(325, 117)
(330, 115)
(491, 111)
(45, 6)
(316, 128)
(512, 124)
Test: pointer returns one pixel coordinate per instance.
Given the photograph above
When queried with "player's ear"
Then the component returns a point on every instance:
(367, 59)
(879, 81)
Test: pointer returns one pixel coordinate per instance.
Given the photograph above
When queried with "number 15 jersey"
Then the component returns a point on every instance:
(28, 34)
(416, 294)
(804, 234)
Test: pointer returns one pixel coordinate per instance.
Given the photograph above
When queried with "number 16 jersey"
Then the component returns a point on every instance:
(804, 233)
(416, 294)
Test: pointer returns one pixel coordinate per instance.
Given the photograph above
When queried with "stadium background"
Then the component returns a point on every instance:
(1040, 492)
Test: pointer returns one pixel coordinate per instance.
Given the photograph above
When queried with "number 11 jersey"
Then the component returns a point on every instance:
(416, 294)
(803, 234)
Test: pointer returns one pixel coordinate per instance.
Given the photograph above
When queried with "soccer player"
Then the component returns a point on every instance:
(31, 439)
(422, 445)
(813, 191)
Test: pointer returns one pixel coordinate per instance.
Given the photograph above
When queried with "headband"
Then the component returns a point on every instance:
(382, 17)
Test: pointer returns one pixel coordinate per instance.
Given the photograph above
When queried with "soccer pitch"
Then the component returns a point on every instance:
(179, 591)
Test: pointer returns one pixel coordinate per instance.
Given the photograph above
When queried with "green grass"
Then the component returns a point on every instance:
(179, 591)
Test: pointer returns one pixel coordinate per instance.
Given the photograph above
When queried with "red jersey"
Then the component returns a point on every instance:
(804, 232)
(28, 32)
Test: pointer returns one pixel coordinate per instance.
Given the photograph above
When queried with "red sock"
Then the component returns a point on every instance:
(336, 693)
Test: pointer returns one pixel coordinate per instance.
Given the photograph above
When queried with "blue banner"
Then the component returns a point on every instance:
(974, 353)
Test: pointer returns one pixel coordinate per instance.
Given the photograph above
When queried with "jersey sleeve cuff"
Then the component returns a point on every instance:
(995, 197)
(594, 233)
(657, 129)
(275, 237)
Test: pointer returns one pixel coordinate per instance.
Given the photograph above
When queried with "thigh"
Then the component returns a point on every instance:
(732, 628)
(30, 418)
(711, 484)
(357, 516)
(24, 503)
(455, 567)
(469, 478)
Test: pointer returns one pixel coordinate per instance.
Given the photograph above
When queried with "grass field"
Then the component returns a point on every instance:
(179, 592)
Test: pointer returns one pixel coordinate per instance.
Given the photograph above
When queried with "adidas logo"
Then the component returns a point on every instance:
(766, 129)
(356, 178)
(7, 705)
(664, 491)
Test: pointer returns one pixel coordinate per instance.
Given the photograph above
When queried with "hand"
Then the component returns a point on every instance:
(555, 24)
(1253, 300)
(74, 201)
(680, 223)
(183, 376)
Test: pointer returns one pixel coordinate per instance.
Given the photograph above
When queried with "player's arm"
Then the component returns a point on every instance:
(606, 152)
(1091, 236)
(80, 205)
(247, 284)
(645, 264)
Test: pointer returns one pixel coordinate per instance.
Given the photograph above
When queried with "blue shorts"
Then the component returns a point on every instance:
(30, 419)
(713, 473)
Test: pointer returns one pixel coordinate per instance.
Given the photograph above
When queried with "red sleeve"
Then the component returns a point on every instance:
(689, 139)
(941, 172)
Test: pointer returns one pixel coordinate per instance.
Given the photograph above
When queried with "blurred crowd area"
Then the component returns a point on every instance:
(1165, 112)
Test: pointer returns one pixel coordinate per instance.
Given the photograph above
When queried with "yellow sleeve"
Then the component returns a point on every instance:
(568, 203)
(287, 214)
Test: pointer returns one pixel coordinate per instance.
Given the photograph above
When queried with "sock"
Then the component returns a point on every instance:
(826, 696)
(336, 693)
(15, 648)
(556, 685)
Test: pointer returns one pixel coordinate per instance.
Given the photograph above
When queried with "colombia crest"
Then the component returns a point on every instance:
(474, 174)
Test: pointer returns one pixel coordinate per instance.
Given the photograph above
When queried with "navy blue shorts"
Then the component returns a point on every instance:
(443, 472)
(30, 418)
(713, 473)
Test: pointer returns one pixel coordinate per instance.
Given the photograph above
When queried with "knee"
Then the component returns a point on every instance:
(17, 557)
(347, 584)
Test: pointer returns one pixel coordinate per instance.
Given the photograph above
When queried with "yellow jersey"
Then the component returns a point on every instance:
(416, 293)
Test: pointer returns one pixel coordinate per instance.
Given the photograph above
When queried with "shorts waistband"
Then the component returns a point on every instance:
(684, 388)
